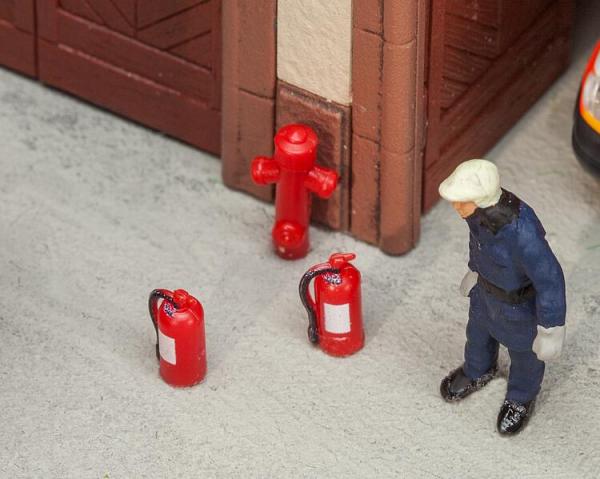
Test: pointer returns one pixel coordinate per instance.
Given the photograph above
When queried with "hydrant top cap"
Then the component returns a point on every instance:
(296, 138)
(296, 135)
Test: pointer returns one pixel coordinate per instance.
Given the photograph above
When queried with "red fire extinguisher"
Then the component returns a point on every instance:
(180, 342)
(335, 315)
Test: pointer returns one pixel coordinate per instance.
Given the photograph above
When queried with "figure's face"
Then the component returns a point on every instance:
(464, 208)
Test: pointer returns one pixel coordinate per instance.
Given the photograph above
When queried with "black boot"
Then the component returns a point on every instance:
(513, 416)
(457, 385)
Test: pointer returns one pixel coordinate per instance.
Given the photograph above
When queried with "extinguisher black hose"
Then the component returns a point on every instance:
(313, 334)
(154, 296)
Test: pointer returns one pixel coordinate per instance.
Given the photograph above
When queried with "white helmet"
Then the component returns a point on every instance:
(473, 180)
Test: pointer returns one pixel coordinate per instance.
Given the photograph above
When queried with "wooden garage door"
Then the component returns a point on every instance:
(156, 61)
(490, 60)
(17, 39)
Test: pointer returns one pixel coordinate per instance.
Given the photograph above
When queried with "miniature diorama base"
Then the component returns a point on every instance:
(97, 211)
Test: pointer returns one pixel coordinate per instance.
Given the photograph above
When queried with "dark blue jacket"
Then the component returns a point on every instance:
(512, 254)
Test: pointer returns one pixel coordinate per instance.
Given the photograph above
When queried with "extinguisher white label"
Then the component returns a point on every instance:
(166, 348)
(337, 318)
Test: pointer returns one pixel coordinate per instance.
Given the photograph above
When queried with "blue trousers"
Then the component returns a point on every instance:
(481, 351)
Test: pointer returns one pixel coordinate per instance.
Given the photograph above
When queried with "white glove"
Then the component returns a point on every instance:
(466, 285)
(548, 343)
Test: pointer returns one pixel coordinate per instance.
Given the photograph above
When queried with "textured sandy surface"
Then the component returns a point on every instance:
(96, 212)
(314, 46)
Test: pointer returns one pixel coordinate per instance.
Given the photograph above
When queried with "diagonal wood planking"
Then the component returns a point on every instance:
(135, 57)
(91, 48)
(452, 90)
(180, 28)
(494, 81)
(127, 8)
(112, 16)
(153, 11)
(526, 49)
(463, 66)
(486, 12)
(198, 50)
(82, 9)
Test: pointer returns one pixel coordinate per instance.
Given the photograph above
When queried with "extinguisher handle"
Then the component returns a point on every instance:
(308, 301)
(155, 296)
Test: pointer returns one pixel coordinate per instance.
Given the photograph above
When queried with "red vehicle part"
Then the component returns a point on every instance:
(586, 125)
(589, 100)
(335, 315)
(294, 171)
(180, 341)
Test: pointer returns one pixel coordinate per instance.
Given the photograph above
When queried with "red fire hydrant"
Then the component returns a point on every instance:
(293, 169)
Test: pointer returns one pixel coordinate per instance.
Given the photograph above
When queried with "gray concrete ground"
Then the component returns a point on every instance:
(97, 211)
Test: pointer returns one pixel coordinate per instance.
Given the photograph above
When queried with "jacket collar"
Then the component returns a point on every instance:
(495, 217)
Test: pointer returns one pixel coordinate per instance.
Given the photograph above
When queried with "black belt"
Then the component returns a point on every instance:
(513, 297)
